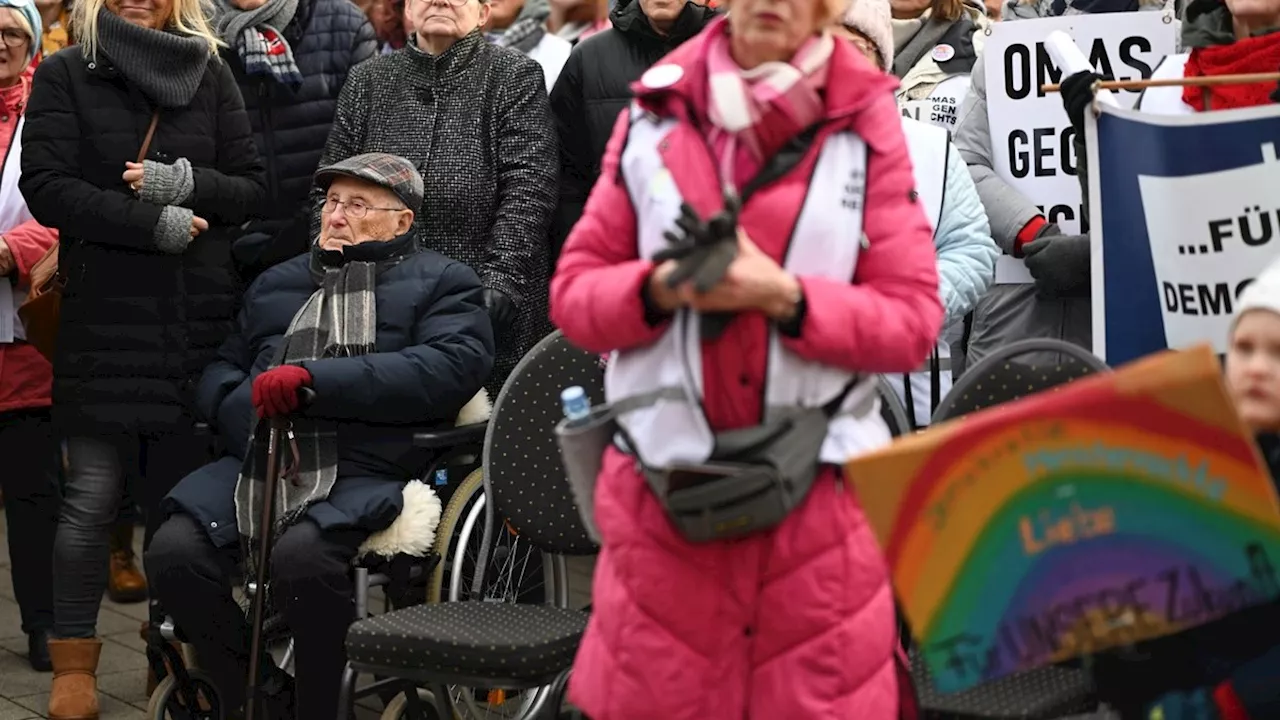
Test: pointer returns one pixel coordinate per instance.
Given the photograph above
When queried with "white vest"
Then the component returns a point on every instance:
(824, 243)
(1166, 100)
(13, 212)
(942, 106)
(929, 147)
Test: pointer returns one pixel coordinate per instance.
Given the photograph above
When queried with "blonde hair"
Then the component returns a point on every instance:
(189, 17)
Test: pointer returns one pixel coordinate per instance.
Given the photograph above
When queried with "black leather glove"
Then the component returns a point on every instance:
(1077, 94)
(703, 251)
(502, 312)
(1059, 263)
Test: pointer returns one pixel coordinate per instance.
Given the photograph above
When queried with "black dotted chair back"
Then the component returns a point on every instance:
(1015, 371)
(891, 409)
(523, 474)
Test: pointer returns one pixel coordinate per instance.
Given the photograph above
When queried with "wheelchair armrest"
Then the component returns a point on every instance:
(202, 429)
(443, 439)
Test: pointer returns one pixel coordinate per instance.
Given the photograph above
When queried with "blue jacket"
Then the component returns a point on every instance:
(434, 352)
(966, 253)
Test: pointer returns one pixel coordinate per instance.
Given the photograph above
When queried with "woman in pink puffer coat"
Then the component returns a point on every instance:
(835, 275)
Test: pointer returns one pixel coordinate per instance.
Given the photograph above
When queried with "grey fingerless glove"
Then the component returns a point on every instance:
(166, 184)
(173, 231)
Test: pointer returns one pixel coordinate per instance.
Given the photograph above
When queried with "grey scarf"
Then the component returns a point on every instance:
(527, 31)
(257, 35)
(166, 66)
(338, 320)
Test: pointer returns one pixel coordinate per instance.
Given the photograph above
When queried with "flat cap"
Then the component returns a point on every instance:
(383, 169)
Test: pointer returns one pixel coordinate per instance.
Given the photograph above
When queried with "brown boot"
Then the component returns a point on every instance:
(74, 694)
(126, 584)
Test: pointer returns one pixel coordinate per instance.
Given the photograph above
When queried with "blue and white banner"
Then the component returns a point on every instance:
(1184, 212)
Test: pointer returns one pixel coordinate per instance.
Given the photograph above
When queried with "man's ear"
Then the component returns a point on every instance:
(404, 221)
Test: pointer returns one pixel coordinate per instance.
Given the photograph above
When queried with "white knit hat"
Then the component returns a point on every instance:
(1262, 294)
(873, 19)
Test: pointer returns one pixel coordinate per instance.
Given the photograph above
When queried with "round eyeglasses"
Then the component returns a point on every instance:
(14, 37)
(353, 208)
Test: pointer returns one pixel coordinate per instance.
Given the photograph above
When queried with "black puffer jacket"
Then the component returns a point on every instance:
(137, 325)
(328, 38)
(595, 86)
(434, 349)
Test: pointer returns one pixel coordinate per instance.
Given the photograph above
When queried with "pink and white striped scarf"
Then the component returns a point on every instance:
(756, 111)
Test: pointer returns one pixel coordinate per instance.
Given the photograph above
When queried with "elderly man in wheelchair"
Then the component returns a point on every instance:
(387, 336)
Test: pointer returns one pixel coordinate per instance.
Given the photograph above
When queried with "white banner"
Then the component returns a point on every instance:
(1032, 141)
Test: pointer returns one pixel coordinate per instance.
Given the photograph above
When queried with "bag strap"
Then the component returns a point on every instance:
(151, 132)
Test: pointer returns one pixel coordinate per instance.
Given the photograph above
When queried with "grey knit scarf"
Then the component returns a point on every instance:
(338, 320)
(257, 35)
(527, 30)
(166, 66)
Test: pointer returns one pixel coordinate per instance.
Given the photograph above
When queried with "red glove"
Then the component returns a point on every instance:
(275, 392)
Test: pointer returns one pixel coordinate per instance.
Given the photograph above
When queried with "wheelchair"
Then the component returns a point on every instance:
(184, 692)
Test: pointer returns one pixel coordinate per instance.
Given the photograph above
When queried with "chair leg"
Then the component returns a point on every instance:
(551, 710)
(346, 693)
(444, 706)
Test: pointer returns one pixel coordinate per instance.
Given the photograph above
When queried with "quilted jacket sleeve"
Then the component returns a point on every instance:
(1007, 210)
(235, 190)
(51, 181)
(595, 293)
(576, 160)
(966, 253)
(426, 382)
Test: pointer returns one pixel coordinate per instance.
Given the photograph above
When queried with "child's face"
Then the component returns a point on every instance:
(1253, 369)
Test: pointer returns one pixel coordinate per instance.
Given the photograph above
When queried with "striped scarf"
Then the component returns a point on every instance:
(755, 112)
(338, 320)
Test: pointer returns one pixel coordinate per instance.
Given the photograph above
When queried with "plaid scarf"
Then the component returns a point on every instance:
(264, 51)
(256, 36)
(525, 33)
(754, 112)
(338, 320)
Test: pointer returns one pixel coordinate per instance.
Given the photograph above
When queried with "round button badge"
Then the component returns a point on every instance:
(662, 76)
(943, 53)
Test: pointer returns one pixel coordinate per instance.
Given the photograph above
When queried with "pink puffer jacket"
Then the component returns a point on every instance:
(796, 623)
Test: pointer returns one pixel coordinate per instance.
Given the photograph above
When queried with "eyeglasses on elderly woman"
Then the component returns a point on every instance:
(455, 3)
(13, 37)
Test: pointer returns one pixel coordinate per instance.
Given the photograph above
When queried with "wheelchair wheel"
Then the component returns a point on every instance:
(450, 526)
(398, 708)
(165, 703)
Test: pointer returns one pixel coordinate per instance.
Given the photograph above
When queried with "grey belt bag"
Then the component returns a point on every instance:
(755, 477)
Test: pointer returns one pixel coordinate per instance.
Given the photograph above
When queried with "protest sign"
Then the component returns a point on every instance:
(1185, 215)
(1032, 141)
(1124, 507)
(942, 106)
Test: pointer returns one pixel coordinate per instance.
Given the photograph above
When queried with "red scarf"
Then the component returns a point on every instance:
(1251, 55)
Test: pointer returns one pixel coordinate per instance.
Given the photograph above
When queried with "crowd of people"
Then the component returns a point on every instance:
(388, 203)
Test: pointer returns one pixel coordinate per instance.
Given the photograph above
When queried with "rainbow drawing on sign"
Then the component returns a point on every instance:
(1034, 537)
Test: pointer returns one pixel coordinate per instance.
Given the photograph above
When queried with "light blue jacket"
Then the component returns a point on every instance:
(966, 253)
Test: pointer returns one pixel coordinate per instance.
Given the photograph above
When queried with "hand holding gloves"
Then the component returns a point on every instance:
(275, 391)
(703, 251)
(1059, 263)
(1077, 95)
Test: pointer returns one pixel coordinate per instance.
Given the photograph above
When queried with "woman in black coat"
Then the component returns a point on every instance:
(475, 120)
(145, 253)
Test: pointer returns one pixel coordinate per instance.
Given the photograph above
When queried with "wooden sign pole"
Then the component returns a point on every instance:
(1245, 79)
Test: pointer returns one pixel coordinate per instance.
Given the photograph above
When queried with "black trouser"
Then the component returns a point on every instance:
(94, 484)
(29, 480)
(311, 582)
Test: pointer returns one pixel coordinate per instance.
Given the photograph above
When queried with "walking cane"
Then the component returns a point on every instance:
(266, 522)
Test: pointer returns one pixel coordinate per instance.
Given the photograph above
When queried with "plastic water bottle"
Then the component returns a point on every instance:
(575, 403)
